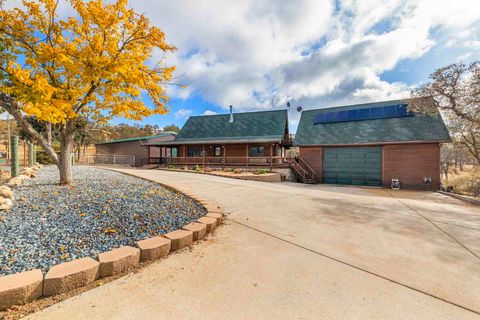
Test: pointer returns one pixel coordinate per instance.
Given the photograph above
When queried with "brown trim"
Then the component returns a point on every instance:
(211, 143)
(370, 144)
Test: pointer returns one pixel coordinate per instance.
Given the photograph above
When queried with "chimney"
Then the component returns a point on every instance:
(231, 114)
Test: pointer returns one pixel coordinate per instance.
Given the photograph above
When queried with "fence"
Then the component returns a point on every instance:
(108, 159)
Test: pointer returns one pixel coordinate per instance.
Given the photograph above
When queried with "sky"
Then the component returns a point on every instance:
(261, 54)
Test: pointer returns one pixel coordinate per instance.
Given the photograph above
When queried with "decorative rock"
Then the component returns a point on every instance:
(5, 206)
(154, 248)
(20, 288)
(14, 182)
(70, 275)
(211, 223)
(118, 260)
(215, 215)
(180, 239)
(6, 192)
(199, 230)
(102, 215)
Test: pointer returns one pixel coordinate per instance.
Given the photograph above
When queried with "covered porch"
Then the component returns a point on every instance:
(254, 154)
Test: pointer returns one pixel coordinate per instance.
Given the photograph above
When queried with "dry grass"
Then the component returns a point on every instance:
(465, 182)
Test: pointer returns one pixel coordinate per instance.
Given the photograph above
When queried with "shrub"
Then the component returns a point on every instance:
(197, 168)
(238, 170)
(262, 171)
(466, 182)
(185, 168)
(207, 169)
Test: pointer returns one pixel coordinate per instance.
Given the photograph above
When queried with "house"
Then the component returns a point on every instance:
(248, 139)
(371, 144)
(133, 147)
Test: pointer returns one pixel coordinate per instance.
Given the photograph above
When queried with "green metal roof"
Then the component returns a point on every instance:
(259, 126)
(163, 134)
(416, 128)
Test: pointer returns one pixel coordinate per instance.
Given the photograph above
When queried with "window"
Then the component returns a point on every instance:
(257, 151)
(194, 152)
(217, 151)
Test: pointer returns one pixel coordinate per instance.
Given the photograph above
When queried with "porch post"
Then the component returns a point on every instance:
(224, 157)
(148, 156)
(246, 153)
(184, 155)
(271, 153)
(203, 155)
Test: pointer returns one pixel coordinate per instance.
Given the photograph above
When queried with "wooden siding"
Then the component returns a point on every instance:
(314, 157)
(133, 148)
(410, 164)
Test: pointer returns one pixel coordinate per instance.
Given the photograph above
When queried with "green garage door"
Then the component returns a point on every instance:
(356, 165)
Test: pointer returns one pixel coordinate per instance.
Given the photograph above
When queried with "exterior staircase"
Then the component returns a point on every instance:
(302, 170)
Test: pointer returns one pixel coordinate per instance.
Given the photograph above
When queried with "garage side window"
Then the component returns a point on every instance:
(257, 151)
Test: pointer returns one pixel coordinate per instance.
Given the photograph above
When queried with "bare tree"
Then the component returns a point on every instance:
(455, 91)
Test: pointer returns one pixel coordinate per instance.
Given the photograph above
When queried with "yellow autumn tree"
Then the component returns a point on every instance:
(94, 65)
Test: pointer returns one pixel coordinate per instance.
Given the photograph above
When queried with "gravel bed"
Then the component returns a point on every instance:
(49, 224)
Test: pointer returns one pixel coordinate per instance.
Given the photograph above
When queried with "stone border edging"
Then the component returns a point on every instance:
(27, 286)
(461, 197)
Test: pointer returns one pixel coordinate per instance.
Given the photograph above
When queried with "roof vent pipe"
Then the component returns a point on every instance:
(231, 114)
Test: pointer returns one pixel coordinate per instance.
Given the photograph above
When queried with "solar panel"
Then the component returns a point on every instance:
(352, 115)
(394, 111)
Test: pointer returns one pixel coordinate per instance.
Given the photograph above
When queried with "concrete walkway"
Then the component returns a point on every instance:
(292, 251)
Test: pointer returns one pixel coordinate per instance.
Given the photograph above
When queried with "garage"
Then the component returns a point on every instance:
(355, 165)
(371, 144)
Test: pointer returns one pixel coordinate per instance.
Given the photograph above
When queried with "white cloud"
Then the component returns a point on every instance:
(209, 113)
(183, 113)
(260, 54)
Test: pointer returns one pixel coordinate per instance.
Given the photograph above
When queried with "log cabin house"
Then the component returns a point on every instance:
(248, 139)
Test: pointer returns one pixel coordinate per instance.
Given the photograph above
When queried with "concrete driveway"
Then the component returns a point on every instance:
(292, 251)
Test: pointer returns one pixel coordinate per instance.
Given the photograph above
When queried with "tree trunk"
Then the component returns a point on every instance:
(65, 163)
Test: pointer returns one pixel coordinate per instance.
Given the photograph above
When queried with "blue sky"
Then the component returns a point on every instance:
(258, 55)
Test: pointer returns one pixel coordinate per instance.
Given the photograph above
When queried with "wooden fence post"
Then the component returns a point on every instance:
(14, 156)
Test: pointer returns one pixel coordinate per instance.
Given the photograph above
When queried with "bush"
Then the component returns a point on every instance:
(259, 171)
(238, 170)
(207, 169)
(466, 182)
(197, 168)
(43, 158)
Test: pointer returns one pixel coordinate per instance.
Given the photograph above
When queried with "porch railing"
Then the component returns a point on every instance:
(226, 161)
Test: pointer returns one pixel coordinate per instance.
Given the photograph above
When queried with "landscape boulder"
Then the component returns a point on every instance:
(6, 192)
(13, 182)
